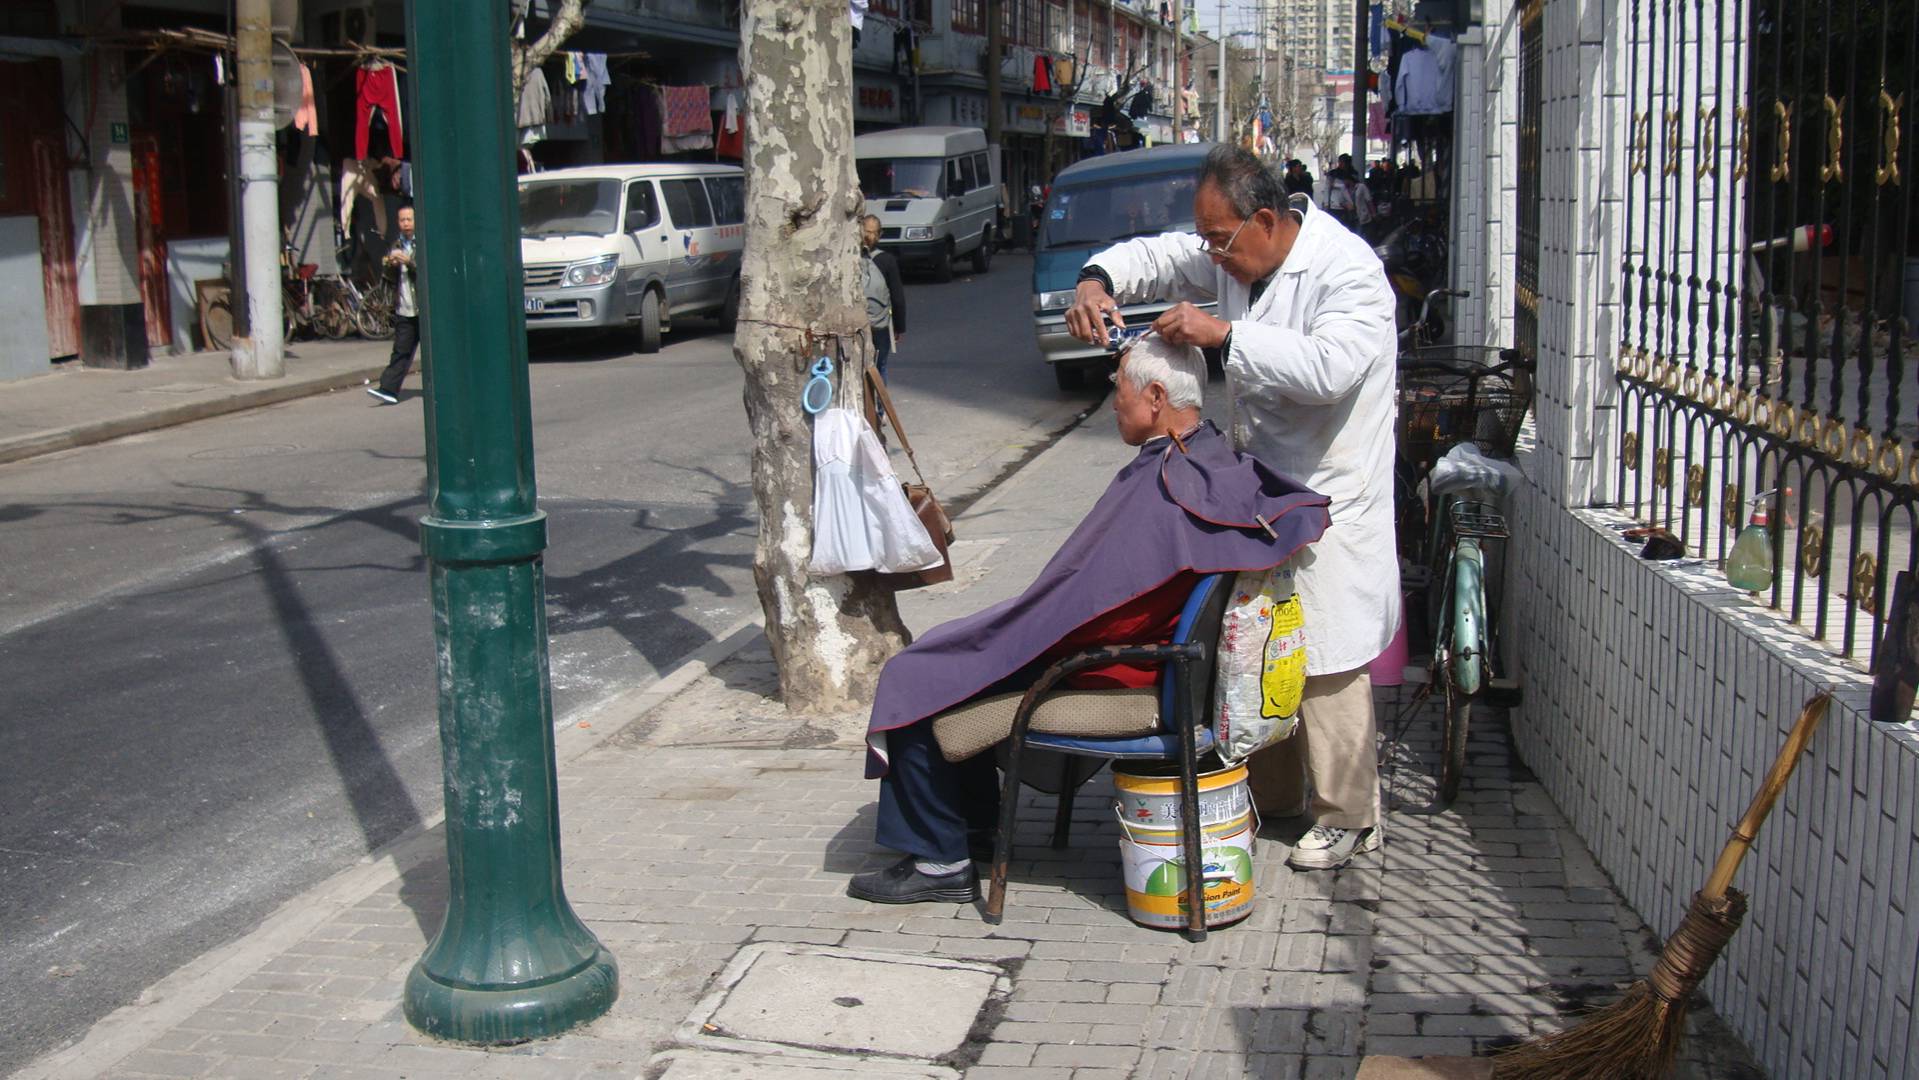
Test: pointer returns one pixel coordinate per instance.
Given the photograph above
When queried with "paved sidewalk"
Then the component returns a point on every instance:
(699, 820)
(77, 406)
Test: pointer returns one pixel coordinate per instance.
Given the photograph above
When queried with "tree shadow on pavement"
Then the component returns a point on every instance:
(637, 594)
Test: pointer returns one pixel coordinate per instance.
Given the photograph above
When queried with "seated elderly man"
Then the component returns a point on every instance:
(1185, 506)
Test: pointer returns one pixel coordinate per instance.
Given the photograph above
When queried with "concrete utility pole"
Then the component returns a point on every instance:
(1179, 81)
(1219, 117)
(995, 57)
(262, 354)
(1361, 10)
(512, 961)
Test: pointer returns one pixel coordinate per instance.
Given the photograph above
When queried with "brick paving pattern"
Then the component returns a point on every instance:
(1471, 928)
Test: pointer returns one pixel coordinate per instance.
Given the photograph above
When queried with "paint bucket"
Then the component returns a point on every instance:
(1153, 852)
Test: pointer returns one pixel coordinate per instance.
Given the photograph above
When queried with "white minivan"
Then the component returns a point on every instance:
(631, 245)
(936, 193)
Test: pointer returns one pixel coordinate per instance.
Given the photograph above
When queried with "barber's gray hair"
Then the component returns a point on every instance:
(1244, 179)
(1181, 369)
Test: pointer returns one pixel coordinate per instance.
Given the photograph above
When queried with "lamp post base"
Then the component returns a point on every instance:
(509, 1015)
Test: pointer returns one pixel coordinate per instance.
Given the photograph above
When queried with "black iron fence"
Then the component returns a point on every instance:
(1770, 276)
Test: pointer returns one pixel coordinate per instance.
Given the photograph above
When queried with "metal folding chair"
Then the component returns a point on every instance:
(1185, 733)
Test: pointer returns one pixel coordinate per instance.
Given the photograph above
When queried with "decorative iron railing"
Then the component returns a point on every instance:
(1769, 280)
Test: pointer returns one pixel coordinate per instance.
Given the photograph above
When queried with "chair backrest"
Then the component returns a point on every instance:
(1199, 623)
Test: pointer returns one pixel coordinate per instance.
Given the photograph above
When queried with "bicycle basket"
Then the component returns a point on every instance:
(1438, 410)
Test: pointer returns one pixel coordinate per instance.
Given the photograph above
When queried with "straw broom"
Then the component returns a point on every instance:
(1638, 1036)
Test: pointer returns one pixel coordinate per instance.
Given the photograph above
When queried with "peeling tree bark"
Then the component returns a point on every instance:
(799, 273)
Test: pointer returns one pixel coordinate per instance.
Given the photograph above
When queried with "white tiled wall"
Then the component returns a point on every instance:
(1656, 699)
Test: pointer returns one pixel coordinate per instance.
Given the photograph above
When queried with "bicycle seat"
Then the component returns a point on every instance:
(307, 270)
(1465, 468)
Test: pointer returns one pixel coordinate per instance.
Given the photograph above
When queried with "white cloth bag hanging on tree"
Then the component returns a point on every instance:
(861, 519)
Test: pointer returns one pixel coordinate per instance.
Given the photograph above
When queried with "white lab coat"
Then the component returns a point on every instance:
(1312, 375)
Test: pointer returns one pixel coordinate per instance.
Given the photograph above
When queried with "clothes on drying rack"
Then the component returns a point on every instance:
(596, 81)
(689, 110)
(376, 91)
(536, 101)
(1425, 83)
(731, 141)
(356, 182)
(1042, 75)
(306, 118)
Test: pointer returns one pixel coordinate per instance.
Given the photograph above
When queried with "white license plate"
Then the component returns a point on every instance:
(535, 304)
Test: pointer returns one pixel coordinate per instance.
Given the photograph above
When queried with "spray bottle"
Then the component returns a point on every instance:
(1749, 566)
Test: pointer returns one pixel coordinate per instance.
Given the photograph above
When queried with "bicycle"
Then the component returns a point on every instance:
(1450, 396)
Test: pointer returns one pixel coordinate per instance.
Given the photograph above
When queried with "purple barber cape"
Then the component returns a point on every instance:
(1164, 514)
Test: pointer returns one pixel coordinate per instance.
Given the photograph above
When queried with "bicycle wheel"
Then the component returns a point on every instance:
(1467, 617)
(1452, 745)
(376, 321)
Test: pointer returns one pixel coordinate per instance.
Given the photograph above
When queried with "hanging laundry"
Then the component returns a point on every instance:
(1063, 73)
(1376, 21)
(1376, 121)
(356, 183)
(689, 110)
(856, 10)
(377, 88)
(1425, 83)
(593, 97)
(307, 118)
(536, 102)
(1042, 75)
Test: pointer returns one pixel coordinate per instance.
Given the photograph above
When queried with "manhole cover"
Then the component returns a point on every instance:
(231, 453)
(814, 1000)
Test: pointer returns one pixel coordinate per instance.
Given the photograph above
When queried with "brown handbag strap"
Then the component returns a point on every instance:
(893, 417)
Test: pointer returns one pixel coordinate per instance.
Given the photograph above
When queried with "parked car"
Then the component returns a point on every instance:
(631, 246)
(936, 193)
(1096, 203)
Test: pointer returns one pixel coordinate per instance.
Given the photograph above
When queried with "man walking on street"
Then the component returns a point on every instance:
(1307, 336)
(406, 314)
(885, 295)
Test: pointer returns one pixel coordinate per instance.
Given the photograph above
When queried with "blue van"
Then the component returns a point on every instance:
(1094, 204)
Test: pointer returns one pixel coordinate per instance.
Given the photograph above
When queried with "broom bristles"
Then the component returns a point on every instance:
(1633, 1038)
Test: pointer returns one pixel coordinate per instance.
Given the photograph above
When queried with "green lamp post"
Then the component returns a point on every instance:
(512, 960)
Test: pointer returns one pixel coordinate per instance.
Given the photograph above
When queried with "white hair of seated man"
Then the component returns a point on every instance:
(1181, 369)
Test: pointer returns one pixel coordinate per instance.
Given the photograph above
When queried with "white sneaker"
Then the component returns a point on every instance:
(383, 395)
(1325, 847)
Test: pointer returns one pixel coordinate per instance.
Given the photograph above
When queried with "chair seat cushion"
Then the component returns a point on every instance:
(976, 725)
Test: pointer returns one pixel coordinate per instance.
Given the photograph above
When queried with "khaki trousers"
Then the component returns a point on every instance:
(1334, 749)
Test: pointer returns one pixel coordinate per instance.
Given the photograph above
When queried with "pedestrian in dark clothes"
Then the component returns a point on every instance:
(888, 332)
(406, 313)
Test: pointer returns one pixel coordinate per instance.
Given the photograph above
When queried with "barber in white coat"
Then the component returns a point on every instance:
(1307, 330)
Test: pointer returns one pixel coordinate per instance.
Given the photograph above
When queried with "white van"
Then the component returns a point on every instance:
(631, 245)
(936, 193)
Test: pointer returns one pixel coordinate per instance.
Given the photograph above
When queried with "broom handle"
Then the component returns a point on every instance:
(1748, 827)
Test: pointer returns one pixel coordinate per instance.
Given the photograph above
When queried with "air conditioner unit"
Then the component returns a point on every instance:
(352, 25)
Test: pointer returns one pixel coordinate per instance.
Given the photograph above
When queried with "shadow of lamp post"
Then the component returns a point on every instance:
(512, 961)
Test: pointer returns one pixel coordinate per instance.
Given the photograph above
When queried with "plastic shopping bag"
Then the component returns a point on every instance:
(1261, 673)
(861, 519)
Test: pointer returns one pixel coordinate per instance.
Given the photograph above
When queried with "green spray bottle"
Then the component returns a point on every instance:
(1749, 566)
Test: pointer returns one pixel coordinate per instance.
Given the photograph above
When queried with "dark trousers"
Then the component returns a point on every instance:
(406, 339)
(927, 803)
(882, 349)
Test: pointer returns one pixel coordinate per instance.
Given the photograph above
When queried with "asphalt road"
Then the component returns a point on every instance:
(216, 645)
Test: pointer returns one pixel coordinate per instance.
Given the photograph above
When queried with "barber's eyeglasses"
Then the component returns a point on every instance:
(1225, 249)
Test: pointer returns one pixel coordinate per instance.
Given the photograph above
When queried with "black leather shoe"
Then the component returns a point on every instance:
(902, 883)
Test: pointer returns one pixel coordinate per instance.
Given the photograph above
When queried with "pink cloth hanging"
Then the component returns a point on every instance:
(307, 119)
(689, 110)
